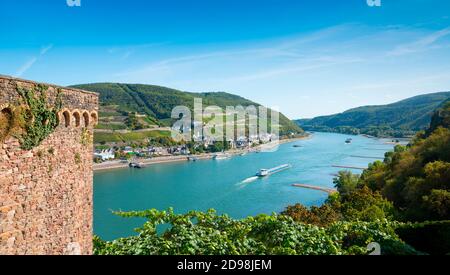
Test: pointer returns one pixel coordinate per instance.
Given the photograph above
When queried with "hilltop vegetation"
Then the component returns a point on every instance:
(399, 119)
(119, 104)
(101, 138)
(198, 233)
(412, 184)
(416, 178)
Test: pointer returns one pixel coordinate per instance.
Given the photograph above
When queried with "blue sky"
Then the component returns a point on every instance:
(307, 58)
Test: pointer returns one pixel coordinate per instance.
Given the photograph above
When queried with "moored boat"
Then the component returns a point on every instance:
(192, 158)
(221, 156)
(135, 165)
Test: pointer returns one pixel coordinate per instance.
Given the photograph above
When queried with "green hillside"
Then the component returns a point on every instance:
(154, 104)
(398, 119)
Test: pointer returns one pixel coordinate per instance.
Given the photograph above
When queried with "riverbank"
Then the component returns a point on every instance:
(118, 164)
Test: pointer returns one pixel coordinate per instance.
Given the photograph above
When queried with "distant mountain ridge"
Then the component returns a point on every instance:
(397, 119)
(118, 100)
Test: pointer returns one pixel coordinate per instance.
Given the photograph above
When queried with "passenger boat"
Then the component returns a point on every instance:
(268, 172)
(263, 173)
(221, 156)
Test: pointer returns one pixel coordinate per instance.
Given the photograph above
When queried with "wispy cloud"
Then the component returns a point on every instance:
(400, 82)
(44, 50)
(334, 46)
(304, 66)
(287, 50)
(352, 64)
(124, 52)
(127, 54)
(27, 65)
(421, 44)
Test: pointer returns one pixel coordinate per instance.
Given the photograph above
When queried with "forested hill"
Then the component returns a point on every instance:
(441, 118)
(397, 119)
(118, 101)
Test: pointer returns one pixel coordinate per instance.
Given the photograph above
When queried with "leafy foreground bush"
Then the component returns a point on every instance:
(432, 237)
(199, 233)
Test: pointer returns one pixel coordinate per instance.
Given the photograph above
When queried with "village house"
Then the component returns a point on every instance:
(105, 154)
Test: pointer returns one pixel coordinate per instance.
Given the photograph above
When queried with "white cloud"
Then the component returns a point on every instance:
(27, 65)
(124, 52)
(352, 64)
(421, 44)
(44, 50)
(290, 54)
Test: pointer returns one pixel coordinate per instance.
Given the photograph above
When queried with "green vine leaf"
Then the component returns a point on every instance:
(41, 119)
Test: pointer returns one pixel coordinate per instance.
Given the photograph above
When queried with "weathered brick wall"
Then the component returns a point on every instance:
(46, 193)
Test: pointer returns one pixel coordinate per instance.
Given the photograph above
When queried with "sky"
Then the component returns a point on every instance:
(307, 58)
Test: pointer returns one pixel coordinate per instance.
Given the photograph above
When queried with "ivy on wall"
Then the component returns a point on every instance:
(5, 123)
(86, 137)
(36, 118)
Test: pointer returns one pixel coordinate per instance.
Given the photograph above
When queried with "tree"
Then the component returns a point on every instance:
(217, 146)
(320, 216)
(374, 176)
(363, 204)
(438, 204)
(346, 182)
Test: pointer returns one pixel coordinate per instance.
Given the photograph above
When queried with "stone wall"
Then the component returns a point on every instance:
(46, 193)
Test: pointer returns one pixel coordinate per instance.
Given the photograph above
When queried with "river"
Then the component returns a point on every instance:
(222, 184)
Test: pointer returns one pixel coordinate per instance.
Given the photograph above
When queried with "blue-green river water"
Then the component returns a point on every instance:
(219, 184)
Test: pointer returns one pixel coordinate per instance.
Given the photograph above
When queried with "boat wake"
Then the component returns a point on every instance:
(251, 179)
(266, 172)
